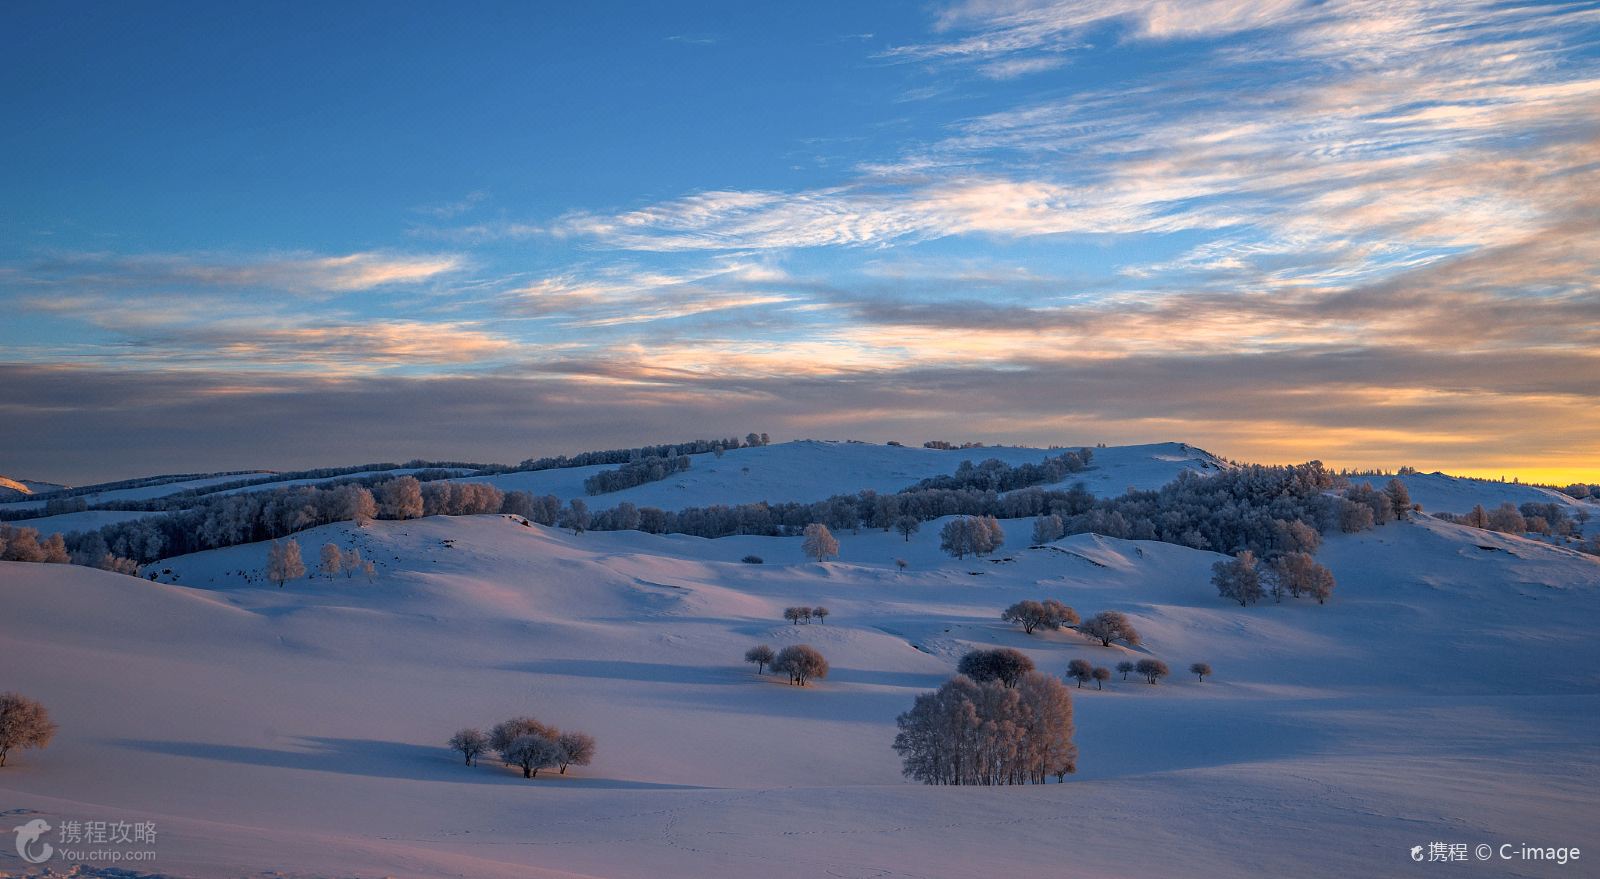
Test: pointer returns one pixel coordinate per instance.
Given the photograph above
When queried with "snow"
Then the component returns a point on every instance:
(812, 470)
(1439, 493)
(1447, 692)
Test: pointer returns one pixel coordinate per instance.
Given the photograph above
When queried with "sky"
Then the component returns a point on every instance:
(292, 235)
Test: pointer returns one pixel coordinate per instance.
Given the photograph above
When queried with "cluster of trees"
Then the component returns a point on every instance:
(1048, 613)
(24, 724)
(636, 473)
(988, 733)
(1267, 510)
(1365, 506)
(23, 544)
(1083, 670)
(801, 662)
(623, 456)
(526, 743)
(996, 475)
(971, 535)
(798, 615)
(1246, 580)
(1537, 518)
(285, 563)
(946, 445)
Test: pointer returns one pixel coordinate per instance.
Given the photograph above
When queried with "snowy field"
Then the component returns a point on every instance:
(1449, 692)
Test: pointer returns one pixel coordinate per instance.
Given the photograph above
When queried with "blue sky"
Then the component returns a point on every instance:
(250, 235)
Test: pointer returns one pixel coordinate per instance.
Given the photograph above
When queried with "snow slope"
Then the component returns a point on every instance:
(813, 470)
(1447, 693)
(1440, 493)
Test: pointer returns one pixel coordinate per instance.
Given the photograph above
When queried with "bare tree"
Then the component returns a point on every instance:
(1101, 674)
(24, 724)
(821, 613)
(907, 526)
(761, 655)
(470, 742)
(1080, 670)
(576, 516)
(1152, 669)
(1003, 664)
(819, 543)
(801, 662)
(1124, 667)
(283, 561)
(1200, 669)
(797, 615)
(1108, 626)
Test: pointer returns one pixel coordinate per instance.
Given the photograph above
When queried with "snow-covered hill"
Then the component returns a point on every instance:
(812, 470)
(1447, 693)
(13, 489)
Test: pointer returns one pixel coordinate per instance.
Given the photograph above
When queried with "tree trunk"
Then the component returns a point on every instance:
(526, 773)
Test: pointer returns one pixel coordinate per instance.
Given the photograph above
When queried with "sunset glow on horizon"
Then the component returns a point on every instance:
(1362, 232)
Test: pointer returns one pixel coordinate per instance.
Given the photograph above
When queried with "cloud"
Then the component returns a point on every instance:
(296, 273)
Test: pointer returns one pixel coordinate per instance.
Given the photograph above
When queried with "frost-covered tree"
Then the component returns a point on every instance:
(761, 655)
(1048, 614)
(801, 662)
(283, 561)
(1399, 499)
(907, 526)
(55, 550)
(1003, 664)
(1108, 626)
(1238, 578)
(797, 615)
(24, 724)
(532, 752)
(577, 749)
(21, 544)
(819, 543)
(821, 613)
(1152, 669)
(1048, 528)
(1124, 667)
(1200, 670)
(351, 562)
(400, 498)
(968, 732)
(1080, 670)
(576, 516)
(1507, 519)
(332, 560)
(470, 743)
(1101, 674)
(507, 731)
(1299, 574)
